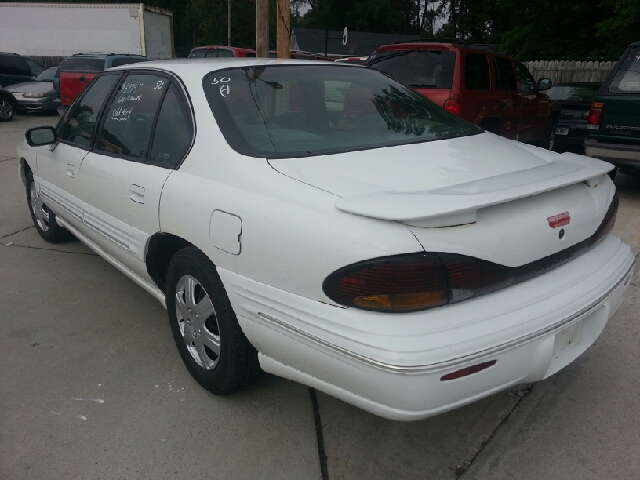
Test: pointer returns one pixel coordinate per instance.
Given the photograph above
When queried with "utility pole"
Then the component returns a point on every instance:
(228, 23)
(284, 29)
(262, 28)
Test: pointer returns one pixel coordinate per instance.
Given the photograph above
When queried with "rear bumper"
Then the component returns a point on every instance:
(620, 154)
(392, 365)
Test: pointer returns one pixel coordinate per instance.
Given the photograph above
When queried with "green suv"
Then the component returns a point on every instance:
(614, 117)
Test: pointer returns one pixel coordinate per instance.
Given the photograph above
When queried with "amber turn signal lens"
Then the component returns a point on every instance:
(402, 302)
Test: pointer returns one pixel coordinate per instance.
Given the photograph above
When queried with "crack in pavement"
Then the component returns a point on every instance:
(24, 229)
(7, 159)
(49, 249)
(462, 469)
(322, 456)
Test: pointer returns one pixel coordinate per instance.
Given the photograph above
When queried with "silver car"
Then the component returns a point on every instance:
(37, 95)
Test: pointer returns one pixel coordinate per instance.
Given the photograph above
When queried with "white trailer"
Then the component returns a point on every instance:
(62, 29)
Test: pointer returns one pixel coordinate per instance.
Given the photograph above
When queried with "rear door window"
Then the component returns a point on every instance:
(79, 123)
(627, 78)
(174, 131)
(417, 68)
(505, 75)
(476, 72)
(128, 122)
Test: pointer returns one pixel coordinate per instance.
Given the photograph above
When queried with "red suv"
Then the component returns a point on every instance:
(486, 88)
(77, 71)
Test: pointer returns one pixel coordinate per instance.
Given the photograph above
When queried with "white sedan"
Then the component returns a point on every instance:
(326, 224)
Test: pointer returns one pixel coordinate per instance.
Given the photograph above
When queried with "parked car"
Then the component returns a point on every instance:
(15, 68)
(216, 51)
(300, 55)
(77, 71)
(575, 99)
(374, 246)
(352, 60)
(8, 105)
(485, 88)
(615, 115)
(37, 95)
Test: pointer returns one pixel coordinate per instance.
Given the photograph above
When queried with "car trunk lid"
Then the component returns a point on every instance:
(479, 186)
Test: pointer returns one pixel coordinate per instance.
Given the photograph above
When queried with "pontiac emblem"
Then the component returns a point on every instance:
(559, 220)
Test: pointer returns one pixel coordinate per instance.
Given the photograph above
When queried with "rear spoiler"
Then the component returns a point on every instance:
(459, 204)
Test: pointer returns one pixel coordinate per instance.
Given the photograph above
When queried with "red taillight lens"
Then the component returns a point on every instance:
(595, 113)
(452, 105)
(412, 282)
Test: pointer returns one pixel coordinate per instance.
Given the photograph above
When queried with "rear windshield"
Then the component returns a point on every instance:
(285, 111)
(80, 64)
(627, 78)
(573, 93)
(417, 68)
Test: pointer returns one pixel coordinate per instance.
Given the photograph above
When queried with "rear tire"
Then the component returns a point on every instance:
(204, 325)
(43, 218)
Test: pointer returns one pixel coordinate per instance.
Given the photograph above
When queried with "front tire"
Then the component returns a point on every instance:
(204, 325)
(43, 218)
(7, 110)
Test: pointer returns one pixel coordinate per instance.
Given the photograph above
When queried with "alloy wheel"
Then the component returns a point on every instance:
(198, 323)
(40, 210)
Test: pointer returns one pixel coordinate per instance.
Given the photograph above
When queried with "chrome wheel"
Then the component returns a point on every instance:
(198, 323)
(39, 209)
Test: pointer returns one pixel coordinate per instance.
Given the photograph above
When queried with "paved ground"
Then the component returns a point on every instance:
(92, 387)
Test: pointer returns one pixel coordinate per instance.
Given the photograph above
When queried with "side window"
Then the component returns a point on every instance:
(129, 119)
(197, 54)
(525, 79)
(476, 72)
(505, 74)
(15, 65)
(211, 53)
(225, 53)
(174, 131)
(79, 123)
(627, 78)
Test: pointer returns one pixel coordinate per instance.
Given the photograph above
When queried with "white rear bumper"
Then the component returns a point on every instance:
(392, 364)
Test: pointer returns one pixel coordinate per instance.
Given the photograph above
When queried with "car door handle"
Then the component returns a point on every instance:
(82, 78)
(136, 193)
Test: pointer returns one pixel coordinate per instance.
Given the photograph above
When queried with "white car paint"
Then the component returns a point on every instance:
(275, 229)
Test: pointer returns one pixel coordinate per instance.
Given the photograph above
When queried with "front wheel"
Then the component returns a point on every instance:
(43, 218)
(204, 326)
(7, 110)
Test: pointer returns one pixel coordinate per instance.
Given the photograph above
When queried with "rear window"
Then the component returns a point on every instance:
(285, 111)
(627, 78)
(127, 61)
(417, 68)
(197, 54)
(80, 64)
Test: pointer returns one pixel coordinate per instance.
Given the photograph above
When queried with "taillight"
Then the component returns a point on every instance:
(452, 105)
(410, 282)
(595, 113)
(417, 281)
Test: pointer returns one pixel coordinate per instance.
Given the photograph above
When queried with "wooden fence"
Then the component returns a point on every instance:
(569, 71)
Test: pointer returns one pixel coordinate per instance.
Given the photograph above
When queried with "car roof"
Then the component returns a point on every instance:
(201, 66)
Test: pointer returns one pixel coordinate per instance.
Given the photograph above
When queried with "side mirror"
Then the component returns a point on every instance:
(544, 84)
(38, 136)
